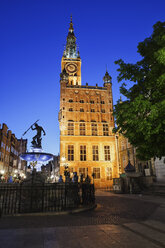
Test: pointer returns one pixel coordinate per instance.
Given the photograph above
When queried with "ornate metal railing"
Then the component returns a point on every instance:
(32, 198)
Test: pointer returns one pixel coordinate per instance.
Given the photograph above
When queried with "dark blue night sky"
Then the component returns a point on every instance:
(32, 36)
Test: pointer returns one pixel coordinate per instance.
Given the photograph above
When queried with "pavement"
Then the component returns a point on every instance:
(118, 221)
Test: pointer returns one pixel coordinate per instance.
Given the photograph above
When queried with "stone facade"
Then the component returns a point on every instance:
(87, 144)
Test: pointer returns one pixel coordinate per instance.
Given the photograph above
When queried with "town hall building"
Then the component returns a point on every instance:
(87, 143)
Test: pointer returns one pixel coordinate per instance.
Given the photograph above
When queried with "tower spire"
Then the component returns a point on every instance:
(71, 48)
(71, 29)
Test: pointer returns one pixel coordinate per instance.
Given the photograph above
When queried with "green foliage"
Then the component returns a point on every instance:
(141, 117)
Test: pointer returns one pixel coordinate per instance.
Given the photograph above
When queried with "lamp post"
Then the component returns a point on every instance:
(66, 170)
(2, 175)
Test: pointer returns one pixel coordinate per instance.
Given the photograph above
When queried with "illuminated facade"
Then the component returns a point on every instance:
(87, 144)
(10, 148)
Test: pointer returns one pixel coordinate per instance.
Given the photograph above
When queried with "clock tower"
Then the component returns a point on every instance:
(71, 62)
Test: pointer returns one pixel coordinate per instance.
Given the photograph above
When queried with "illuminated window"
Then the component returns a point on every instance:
(94, 129)
(70, 109)
(70, 128)
(2, 156)
(95, 153)
(122, 146)
(102, 102)
(82, 128)
(70, 153)
(109, 173)
(124, 162)
(81, 110)
(70, 100)
(91, 101)
(82, 171)
(92, 110)
(6, 158)
(83, 156)
(96, 173)
(105, 130)
(81, 101)
(107, 156)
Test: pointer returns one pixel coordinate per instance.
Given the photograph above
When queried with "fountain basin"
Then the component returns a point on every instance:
(36, 156)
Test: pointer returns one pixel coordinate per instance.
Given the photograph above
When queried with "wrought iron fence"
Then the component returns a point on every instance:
(31, 198)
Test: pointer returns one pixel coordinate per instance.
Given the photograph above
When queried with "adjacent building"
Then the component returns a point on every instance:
(127, 152)
(10, 148)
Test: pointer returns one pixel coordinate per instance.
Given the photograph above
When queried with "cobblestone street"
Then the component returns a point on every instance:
(118, 221)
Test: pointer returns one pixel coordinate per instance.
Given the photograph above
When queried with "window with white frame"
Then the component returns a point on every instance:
(82, 128)
(70, 128)
(105, 130)
(96, 173)
(83, 155)
(109, 173)
(95, 152)
(82, 171)
(94, 129)
(70, 153)
(107, 156)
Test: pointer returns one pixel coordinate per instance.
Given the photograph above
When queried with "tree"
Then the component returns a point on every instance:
(141, 117)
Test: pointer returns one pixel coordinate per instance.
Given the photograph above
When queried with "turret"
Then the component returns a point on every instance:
(107, 78)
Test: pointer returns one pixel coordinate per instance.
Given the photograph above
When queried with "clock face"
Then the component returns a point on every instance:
(71, 68)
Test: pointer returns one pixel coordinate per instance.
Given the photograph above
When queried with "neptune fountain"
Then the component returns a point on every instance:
(36, 155)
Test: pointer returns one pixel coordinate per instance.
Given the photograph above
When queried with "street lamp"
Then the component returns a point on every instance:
(2, 172)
